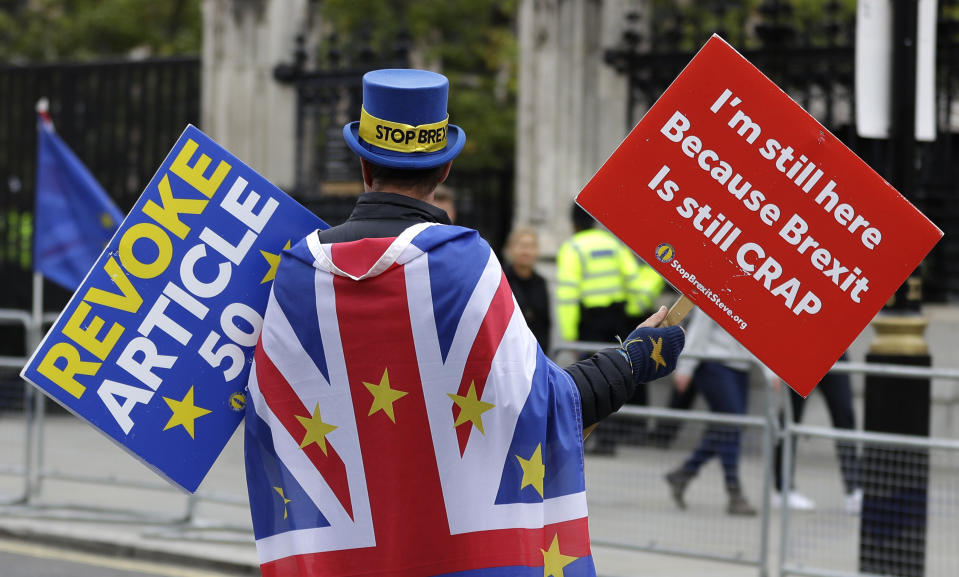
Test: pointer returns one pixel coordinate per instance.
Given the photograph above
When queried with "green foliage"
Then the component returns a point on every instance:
(473, 42)
(49, 30)
(693, 23)
(15, 248)
(689, 25)
(817, 11)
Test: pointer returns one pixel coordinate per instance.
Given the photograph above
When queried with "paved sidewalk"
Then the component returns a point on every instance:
(106, 516)
(86, 515)
(629, 503)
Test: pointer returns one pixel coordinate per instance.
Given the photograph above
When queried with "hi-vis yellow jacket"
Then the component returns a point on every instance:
(594, 269)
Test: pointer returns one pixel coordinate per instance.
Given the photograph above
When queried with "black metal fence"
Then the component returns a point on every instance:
(807, 48)
(120, 118)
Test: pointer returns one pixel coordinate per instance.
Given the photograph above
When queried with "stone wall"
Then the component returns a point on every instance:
(572, 108)
(244, 108)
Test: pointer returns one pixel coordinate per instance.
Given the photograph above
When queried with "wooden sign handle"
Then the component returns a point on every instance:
(677, 312)
(674, 316)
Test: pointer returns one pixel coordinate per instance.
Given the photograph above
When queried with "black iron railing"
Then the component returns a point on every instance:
(120, 118)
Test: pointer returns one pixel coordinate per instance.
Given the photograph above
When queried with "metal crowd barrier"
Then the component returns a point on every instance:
(825, 541)
(626, 512)
(630, 506)
(23, 470)
(30, 501)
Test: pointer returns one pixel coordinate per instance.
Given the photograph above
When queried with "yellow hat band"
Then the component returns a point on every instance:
(402, 137)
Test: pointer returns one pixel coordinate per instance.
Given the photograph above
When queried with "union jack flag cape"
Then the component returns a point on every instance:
(403, 421)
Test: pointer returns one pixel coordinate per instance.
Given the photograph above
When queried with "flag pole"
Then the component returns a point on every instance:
(37, 409)
(30, 393)
(34, 399)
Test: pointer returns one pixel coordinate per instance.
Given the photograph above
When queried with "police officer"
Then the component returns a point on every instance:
(601, 292)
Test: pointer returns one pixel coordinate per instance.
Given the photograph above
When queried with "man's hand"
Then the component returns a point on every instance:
(652, 350)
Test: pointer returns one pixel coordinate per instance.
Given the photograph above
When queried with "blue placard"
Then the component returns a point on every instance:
(154, 348)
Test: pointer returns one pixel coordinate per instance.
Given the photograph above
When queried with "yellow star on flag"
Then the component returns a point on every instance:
(533, 470)
(106, 221)
(184, 412)
(554, 561)
(274, 260)
(316, 429)
(471, 408)
(657, 354)
(285, 500)
(384, 396)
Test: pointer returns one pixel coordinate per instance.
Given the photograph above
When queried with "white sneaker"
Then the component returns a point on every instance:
(794, 500)
(854, 502)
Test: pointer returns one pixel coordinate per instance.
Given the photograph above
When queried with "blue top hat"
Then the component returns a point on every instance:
(404, 123)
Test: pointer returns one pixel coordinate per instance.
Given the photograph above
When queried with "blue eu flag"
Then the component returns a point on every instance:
(74, 216)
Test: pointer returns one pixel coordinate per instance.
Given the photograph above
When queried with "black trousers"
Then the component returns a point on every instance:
(837, 388)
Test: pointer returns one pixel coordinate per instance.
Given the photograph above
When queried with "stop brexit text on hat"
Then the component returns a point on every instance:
(760, 216)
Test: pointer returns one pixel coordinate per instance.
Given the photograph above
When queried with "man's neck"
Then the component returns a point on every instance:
(410, 192)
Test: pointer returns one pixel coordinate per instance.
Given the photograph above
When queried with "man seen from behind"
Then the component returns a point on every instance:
(404, 420)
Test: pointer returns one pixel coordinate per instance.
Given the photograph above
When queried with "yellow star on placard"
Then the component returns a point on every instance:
(533, 470)
(316, 429)
(285, 500)
(274, 260)
(657, 354)
(554, 561)
(384, 396)
(471, 408)
(184, 413)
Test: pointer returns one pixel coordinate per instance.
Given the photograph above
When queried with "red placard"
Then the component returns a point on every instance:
(748, 206)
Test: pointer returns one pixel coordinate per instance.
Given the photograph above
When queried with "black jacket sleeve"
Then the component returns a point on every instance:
(605, 382)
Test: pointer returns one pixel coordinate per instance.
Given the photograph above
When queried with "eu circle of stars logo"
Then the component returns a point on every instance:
(665, 252)
(238, 402)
